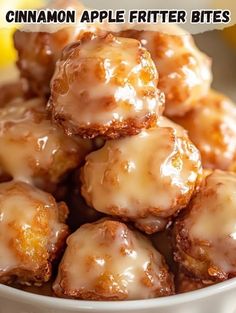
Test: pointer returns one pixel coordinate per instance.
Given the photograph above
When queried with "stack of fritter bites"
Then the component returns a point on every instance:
(85, 126)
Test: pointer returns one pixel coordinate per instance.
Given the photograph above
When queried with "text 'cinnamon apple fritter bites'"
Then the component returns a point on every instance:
(106, 260)
(205, 235)
(184, 71)
(211, 125)
(34, 150)
(145, 178)
(32, 233)
(105, 87)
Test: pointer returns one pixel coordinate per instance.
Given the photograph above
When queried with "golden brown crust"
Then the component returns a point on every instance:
(114, 130)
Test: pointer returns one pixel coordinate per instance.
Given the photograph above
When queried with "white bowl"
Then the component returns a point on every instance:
(219, 298)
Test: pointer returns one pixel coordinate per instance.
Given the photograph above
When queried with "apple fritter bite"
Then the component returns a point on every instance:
(39, 50)
(184, 71)
(106, 260)
(32, 233)
(211, 125)
(105, 87)
(205, 238)
(145, 178)
(34, 150)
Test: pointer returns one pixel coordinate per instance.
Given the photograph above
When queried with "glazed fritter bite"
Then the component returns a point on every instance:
(39, 50)
(205, 238)
(106, 260)
(105, 87)
(145, 178)
(32, 233)
(211, 125)
(34, 150)
(184, 71)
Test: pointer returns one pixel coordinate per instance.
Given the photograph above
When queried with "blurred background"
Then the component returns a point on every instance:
(221, 47)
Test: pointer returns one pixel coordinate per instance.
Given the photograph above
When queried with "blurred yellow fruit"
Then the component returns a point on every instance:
(7, 52)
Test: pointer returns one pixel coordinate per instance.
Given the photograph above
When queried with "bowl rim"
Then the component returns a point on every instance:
(99, 306)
